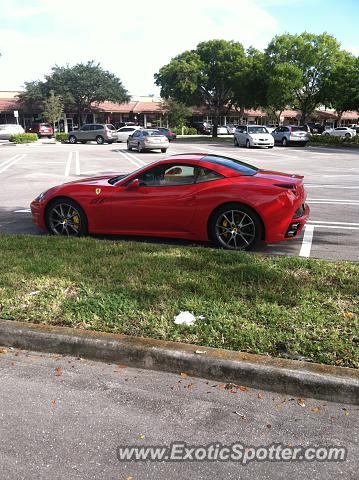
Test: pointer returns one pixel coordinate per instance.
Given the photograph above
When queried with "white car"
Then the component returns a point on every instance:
(124, 132)
(8, 129)
(340, 132)
(221, 130)
(253, 136)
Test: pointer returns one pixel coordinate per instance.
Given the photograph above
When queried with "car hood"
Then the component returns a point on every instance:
(101, 180)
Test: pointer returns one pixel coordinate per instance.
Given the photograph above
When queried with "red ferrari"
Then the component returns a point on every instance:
(192, 196)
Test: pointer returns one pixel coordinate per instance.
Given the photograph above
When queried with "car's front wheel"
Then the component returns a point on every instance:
(235, 227)
(347, 135)
(163, 150)
(65, 217)
(128, 146)
(72, 139)
(235, 141)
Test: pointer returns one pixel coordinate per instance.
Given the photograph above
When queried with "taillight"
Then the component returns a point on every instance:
(290, 186)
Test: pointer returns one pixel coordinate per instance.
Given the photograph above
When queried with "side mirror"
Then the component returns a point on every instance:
(134, 184)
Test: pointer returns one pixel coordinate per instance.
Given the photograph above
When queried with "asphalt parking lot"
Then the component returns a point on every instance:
(331, 179)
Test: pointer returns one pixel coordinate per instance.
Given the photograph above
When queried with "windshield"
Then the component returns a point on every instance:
(152, 133)
(257, 130)
(110, 127)
(243, 168)
(299, 129)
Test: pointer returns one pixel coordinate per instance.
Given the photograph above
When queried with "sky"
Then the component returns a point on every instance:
(134, 39)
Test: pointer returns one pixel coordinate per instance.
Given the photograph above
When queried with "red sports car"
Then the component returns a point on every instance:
(192, 196)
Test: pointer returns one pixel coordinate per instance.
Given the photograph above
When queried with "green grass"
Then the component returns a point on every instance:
(279, 306)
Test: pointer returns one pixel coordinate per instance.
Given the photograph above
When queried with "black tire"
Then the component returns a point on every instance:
(327, 134)
(128, 147)
(49, 136)
(75, 227)
(284, 142)
(235, 141)
(139, 148)
(248, 144)
(246, 239)
(347, 135)
(99, 140)
(163, 150)
(72, 139)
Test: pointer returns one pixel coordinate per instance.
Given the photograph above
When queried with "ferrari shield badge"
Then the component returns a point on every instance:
(98, 191)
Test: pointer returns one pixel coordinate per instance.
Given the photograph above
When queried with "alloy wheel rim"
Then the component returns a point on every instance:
(235, 230)
(65, 220)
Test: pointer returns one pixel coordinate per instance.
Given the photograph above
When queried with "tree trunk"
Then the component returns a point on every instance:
(241, 115)
(215, 124)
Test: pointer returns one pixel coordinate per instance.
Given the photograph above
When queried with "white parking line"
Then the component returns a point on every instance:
(341, 227)
(331, 200)
(353, 187)
(76, 157)
(133, 159)
(334, 202)
(307, 241)
(25, 210)
(68, 165)
(324, 222)
(11, 161)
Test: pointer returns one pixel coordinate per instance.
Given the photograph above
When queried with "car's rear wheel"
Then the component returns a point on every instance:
(65, 217)
(284, 142)
(99, 140)
(72, 139)
(235, 227)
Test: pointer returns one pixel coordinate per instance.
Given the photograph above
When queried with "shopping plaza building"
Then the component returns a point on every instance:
(148, 111)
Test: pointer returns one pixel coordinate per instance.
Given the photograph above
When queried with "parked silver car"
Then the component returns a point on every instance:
(253, 136)
(291, 134)
(99, 132)
(9, 129)
(145, 139)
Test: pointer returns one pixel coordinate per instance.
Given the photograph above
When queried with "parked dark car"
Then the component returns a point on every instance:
(41, 130)
(167, 132)
(315, 127)
(203, 128)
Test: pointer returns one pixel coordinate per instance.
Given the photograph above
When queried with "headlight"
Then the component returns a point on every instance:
(41, 196)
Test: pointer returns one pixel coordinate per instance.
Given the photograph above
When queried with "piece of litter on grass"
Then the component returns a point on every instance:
(200, 352)
(35, 292)
(185, 318)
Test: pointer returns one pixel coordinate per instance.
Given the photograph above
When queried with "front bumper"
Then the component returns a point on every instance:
(37, 214)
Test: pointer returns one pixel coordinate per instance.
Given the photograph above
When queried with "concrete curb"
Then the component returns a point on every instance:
(258, 371)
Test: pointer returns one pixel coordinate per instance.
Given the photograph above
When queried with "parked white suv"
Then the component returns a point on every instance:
(124, 132)
(8, 129)
(253, 136)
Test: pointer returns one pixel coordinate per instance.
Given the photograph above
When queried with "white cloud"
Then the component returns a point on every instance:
(131, 40)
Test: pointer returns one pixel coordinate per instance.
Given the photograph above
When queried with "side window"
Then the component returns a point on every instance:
(85, 128)
(168, 175)
(206, 175)
(137, 133)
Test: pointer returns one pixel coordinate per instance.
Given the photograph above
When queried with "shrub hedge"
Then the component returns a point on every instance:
(23, 138)
(61, 136)
(186, 131)
(329, 140)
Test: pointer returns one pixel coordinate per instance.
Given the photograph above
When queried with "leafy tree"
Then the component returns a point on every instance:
(53, 109)
(342, 85)
(79, 86)
(84, 84)
(314, 56)
(249, 83)
(176, 112)
(203, 76)
(282, 83)
(33, 95)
